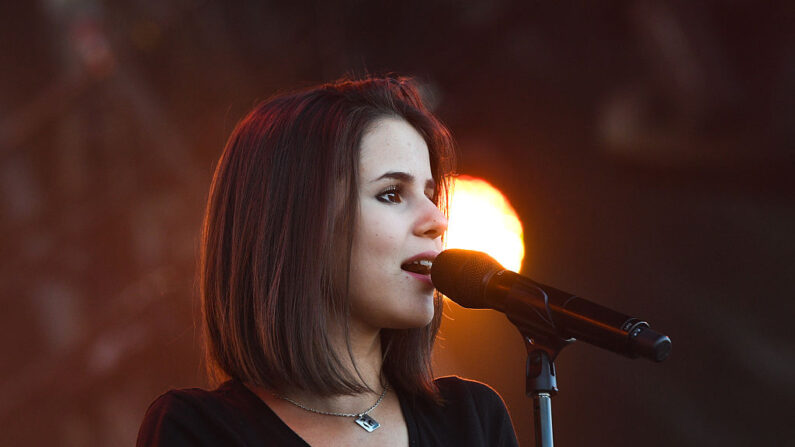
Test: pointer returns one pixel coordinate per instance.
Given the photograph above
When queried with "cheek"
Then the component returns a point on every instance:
(376, 247)
(376, 251)
(377, 233)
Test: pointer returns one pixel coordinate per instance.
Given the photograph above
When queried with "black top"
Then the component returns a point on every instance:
(473, 415)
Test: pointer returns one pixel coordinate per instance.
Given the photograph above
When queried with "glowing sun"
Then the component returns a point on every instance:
(482, 219)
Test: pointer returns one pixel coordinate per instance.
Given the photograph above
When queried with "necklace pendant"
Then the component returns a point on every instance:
(367, 422)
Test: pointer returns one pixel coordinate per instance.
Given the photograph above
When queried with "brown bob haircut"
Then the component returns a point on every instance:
(278, 233)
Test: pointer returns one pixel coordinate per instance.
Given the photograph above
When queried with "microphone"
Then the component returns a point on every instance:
(475, 280)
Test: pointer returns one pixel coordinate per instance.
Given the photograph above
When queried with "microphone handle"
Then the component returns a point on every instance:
(552, 311)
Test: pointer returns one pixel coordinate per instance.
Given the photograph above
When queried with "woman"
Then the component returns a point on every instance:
(323, 218)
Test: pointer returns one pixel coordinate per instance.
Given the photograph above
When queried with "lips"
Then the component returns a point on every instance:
(420, 264)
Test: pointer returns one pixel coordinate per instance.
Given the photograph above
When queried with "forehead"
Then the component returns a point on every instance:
(392, 144)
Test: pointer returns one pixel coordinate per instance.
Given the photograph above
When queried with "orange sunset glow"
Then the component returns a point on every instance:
(482, 219)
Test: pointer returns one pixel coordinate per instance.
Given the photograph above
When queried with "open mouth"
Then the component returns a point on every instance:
(419, 266)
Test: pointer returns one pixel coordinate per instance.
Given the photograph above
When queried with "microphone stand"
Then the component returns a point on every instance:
(540, 377)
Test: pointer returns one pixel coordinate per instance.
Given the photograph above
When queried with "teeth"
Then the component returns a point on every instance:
(421, 266)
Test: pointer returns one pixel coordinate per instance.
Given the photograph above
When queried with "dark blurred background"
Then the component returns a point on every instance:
(646, 145)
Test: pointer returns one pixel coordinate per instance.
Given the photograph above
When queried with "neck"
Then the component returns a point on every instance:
(366, 354)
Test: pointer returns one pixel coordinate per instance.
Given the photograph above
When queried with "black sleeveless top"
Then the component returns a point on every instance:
(473, 415)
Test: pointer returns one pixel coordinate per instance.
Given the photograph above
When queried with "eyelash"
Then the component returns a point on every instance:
(398, 191)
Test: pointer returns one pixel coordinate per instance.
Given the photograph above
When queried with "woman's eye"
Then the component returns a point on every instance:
(391, 195)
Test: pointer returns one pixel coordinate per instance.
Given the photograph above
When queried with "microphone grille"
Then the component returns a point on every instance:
(462, 275)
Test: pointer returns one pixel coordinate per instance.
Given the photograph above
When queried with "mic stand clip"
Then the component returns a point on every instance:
(541, 378)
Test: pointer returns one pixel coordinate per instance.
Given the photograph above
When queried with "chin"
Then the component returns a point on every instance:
(421, 317)
(399, 310)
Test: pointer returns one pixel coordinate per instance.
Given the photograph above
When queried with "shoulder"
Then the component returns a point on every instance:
(173, 417)
(183, 396)
(457, 389)
(190, 416)
(470, 413)
(187, 402)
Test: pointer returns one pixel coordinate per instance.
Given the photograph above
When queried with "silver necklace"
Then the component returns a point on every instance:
(363, 419)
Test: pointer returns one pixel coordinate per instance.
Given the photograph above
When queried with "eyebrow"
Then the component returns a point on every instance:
(407, 178)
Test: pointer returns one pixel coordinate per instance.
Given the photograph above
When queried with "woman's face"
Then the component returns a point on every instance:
(397, 232)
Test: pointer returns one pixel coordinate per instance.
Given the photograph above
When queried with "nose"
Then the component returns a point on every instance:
(432, 222)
